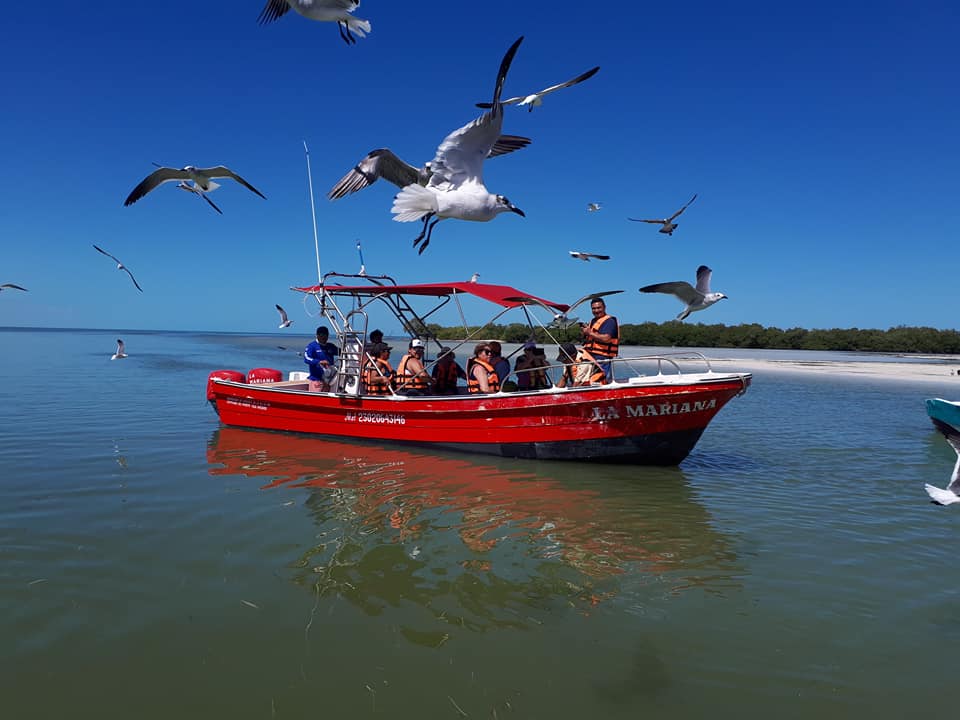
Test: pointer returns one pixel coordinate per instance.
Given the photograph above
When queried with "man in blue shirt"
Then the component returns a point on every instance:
(319, 361)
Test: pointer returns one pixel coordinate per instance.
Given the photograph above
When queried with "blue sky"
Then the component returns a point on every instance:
(821, 138)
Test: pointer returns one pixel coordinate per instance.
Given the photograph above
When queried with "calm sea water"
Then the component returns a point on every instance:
(156, 565)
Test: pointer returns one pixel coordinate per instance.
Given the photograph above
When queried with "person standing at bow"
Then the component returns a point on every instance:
(601, 337)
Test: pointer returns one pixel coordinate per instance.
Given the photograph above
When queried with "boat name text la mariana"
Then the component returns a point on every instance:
(610, 412)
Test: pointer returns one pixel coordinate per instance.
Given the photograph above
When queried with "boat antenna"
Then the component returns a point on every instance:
(313, 211)
(363, 268)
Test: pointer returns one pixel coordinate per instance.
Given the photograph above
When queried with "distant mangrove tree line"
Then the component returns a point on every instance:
(669, 334)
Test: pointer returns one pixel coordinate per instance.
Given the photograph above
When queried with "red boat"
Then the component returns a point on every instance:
(652, 413)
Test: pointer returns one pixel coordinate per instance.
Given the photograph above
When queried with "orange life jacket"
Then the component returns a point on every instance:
(597, 376)
(445, 377)
(373, 372)
(599, 347)
(403, 381)
(473, 385)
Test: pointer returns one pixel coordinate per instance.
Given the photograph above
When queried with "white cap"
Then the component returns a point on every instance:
(416, 343)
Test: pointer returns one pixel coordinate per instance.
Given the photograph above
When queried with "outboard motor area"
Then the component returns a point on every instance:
(258, 376)
(232, 375)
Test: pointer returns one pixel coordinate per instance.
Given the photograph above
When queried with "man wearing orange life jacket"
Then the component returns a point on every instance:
(481, 377)
(378, 374)
(446, 373)
(601, 338)
(412, 377)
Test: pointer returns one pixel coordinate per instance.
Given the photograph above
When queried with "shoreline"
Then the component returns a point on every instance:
(941, 372)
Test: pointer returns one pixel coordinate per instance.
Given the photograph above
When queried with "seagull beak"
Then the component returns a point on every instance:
(518, 211)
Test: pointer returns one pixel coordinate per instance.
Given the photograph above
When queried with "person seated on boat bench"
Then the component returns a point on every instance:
(601, 337)
(529, 368)
(376, 336)
(568, 356)
(481, 377)
(499, 362)
(412, 378)
(377, 373)
(319, 362)
(446, 372)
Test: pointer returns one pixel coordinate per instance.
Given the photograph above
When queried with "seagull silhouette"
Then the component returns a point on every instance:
(121, 353)
(284, 322)
(561, 319)
(593, 207)
(120, 266)
(668, 223)
(536, 99)
(337, 11)
(201, 177)
(585, 256)
(951, 494)
(12, 287)
(695, 298)
(456, 189)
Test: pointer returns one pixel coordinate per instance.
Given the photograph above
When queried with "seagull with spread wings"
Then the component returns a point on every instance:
(383, 163)
(338, 11)
(202, 178)
(284, 321)
(120, 266)
(695, 298)
(121, 352)
(536, 99)
(668, 223)
(456, 189)
(561, 319)
(585, 256)
(12, 287)
(950, 494)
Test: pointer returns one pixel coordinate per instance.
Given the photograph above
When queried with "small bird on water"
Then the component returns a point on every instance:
(695, 298)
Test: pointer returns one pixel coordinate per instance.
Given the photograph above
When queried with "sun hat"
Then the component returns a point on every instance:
(416, 343)
(568, 352)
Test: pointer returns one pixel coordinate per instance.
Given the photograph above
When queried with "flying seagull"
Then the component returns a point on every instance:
(120, 266)
(192, 188)
(363, 268)
(593, 207)
(12, 287)
(284, 322)
(121, 353)
(585, 256)
(951, 494)
(695, 298)
(383, 163)
(201, 177)
(561, 319)
(337, 11)
(668, 223)
(456, 189)
(536, 99)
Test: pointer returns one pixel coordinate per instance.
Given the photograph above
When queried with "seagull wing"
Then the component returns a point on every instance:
(283, 313)
(460, 156)
(655, 222)
(599, 257)
(578, 79)
(953, 437)
(380, 163)
(591, 296)
(211, 203)
(703, 279)
(157, 177)
(127, 270)
(677, 213)
(681, 289)
(273, 10)
(507, 144)
(527, 300)
(112, 257)
(120, 347)
(14, 287)
(225, 172)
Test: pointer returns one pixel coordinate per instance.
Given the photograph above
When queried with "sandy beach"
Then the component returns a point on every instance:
(939, 370)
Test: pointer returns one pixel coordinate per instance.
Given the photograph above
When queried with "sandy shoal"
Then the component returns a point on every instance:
(913, 371)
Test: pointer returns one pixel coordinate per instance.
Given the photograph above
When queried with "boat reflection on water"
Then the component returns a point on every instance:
(402, 525)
